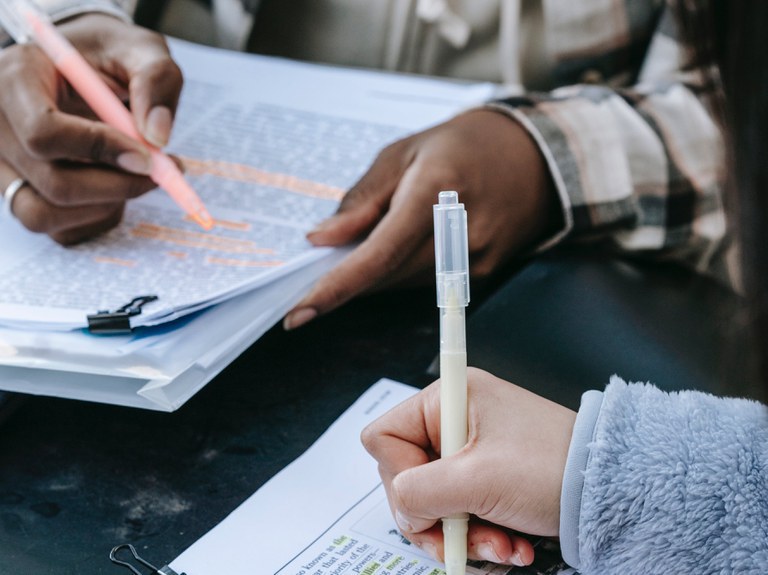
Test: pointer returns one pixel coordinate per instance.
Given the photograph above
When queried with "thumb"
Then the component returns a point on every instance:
(155, 87)
(421, 495)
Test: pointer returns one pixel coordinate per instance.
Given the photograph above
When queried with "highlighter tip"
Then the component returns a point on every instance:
(205, 221)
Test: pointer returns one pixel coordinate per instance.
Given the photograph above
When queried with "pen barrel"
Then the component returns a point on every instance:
(455, 530)
(453, 381)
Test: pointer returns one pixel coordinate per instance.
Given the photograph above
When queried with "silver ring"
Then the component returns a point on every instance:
(9, 194)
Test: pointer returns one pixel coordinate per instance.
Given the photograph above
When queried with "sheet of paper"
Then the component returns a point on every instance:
(153, 368)
(327, 514)
(270, 146)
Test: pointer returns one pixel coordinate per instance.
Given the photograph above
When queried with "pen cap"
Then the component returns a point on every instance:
(14, 17)
(451, 251)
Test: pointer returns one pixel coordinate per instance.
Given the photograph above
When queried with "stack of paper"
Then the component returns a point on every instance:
(270, 146)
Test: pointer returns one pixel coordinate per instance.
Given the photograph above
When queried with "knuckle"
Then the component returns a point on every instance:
(445, 176)
(139, 188)
(402, 494)
(373, 438)
(335, 295)
(369, 438)
(57, 191)
(67, 237)
(483, 268)
(36, 218)
(38, 133)
(97, 144)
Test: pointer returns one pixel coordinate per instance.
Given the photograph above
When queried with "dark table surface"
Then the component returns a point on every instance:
(78, 478)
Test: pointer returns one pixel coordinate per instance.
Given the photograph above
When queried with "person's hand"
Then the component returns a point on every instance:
(501, 178)
(509, 475)
(80, 171)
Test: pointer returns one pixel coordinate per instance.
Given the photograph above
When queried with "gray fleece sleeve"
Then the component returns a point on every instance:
(674, 483)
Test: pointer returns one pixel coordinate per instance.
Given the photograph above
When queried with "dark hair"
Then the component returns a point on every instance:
(741, 53)
(732, 36)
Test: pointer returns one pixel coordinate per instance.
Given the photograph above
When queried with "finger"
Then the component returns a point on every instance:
(485, 542)
(422, 494)
(407, 435)
(488, 542)
(155, 86)
(399, 233)
(415, 270)
(65, 225)
(135, 61)
(102, 219)
(67, 184)
(367, 201)
(43, 131)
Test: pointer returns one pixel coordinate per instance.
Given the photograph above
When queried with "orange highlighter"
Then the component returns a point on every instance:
(25, 21)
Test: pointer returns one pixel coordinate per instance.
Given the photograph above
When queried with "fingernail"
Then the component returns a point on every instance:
(486, 552)
(298, 318)
(403, 522)
(431, 549)
(322, 226)
(135, 162)
(516, 560)
(158, 127)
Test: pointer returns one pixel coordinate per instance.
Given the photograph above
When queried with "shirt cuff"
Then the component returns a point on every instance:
(61, 9)
(552, 165)
(573, 476)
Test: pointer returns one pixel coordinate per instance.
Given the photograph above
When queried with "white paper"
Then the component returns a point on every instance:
(270, 146)
(153, 368)
(324, 514)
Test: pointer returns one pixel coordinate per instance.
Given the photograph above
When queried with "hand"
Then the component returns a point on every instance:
(501, 178)
(80, 172)
(509, 474)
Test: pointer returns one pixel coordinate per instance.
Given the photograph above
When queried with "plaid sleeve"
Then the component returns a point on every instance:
(639, 166)
(61, 9)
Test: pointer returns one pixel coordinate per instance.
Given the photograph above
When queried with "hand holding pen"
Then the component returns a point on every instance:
(508, 477)
(80, 171)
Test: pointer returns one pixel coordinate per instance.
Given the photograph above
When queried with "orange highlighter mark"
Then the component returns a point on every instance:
(198, 240)
(242, 263)
(114, 261)
(248, 174)
(227, 224)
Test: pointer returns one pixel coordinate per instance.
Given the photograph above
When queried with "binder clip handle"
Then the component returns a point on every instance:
(155, 571)
(118, 321)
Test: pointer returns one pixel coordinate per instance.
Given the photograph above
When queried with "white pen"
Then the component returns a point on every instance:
(452, 277)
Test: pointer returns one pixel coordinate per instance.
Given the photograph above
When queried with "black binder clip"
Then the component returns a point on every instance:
(118, 321)
(155, 571)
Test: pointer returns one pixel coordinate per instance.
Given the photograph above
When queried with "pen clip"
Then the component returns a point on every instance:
(118, 321)
(155, 571)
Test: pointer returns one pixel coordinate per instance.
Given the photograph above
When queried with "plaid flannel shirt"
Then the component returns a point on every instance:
(629, 137)
(636, 154)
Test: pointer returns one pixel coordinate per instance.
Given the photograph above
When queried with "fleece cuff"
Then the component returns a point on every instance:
(573, 477)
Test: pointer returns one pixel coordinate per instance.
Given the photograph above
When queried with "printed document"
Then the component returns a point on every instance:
(327, 514)
(270, 146)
